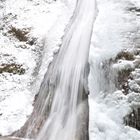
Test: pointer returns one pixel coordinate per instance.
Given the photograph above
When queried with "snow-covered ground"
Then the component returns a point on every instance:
(115, 29)
(30, 32)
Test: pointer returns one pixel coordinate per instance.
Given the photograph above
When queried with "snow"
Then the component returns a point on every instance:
(46, 22)
(53, 40)
(124, 64)
(115, 30)
(107, 118)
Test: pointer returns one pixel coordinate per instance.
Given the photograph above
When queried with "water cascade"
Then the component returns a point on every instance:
(61, 110)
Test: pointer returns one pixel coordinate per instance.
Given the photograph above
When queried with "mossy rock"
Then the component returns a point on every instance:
(12, 68)
(20, 34)
(125, 55)
(123, 76)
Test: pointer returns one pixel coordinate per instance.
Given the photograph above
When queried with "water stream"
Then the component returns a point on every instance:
(61, 110)
(68, 117)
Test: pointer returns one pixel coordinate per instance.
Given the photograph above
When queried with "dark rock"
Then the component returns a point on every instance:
(134, 9)
(125, 55)
(133, 119)
(20, 34)
(123, 76)
(12, 68)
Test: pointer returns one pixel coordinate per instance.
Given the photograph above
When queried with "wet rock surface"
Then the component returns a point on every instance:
(9, 138)
(128, 74)
(128, 81)
(133, 119)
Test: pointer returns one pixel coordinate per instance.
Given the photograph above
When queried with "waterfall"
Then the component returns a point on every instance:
(61, 110)
(68, 80)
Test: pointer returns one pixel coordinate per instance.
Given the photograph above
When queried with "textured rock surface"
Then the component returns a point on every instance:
(9, 138)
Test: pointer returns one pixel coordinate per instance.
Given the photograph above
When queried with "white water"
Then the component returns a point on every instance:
(68, 77)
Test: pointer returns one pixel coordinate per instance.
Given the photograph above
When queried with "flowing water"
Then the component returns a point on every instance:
(68, 80)
(61, 109)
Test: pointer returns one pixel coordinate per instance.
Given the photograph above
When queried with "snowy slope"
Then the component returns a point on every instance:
(30, 32)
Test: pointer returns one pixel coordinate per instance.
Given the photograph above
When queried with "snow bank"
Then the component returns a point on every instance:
(115, 30)
(45, 22)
